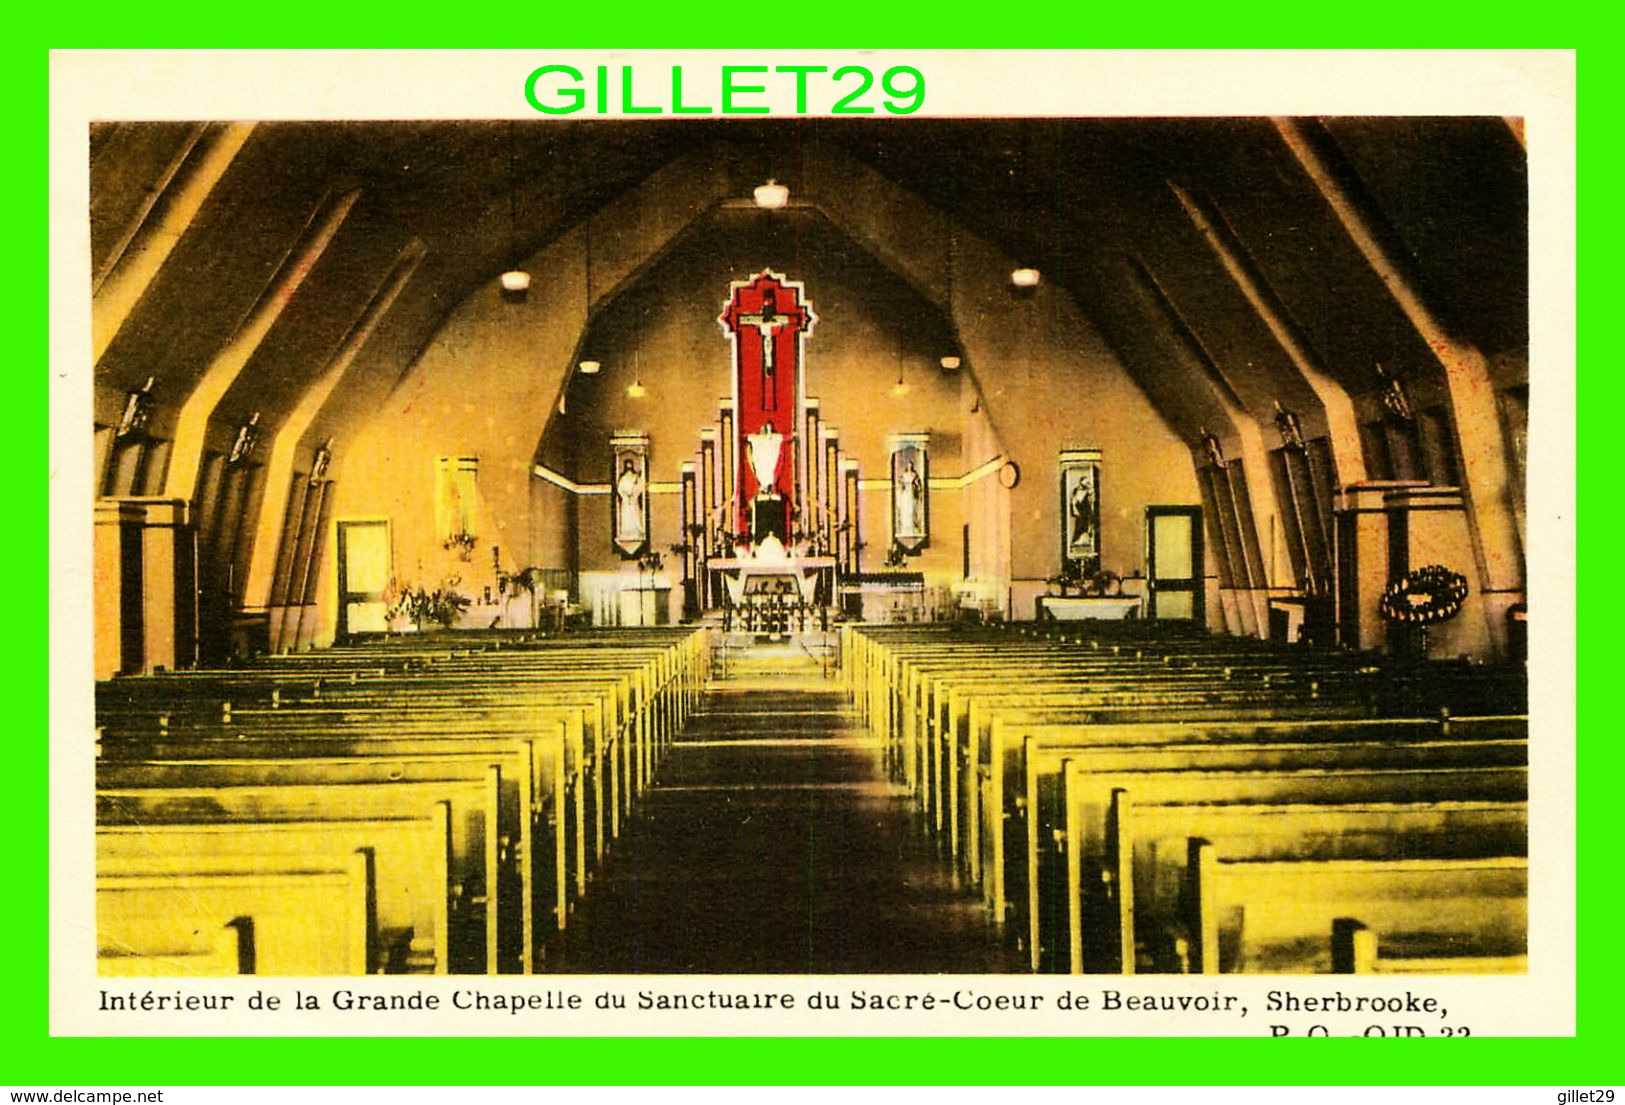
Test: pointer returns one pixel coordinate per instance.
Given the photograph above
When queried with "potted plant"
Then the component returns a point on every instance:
(1101, 582)
(1069, 578)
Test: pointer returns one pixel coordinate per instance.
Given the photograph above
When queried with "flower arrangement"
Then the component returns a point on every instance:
(1073, 577)
(422, 606)
(1424, 596)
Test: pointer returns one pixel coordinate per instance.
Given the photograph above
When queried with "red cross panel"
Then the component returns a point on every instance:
(766, 317)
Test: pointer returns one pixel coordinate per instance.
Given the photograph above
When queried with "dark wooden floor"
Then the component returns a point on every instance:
(772, 843)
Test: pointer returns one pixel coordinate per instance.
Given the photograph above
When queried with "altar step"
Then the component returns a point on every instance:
(800, 658)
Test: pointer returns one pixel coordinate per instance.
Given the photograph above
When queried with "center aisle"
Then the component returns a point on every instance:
(772, 843)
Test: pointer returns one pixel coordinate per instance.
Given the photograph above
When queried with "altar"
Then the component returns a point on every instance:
(773, 591)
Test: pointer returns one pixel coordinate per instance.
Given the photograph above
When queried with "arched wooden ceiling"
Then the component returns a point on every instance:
(1110, 209)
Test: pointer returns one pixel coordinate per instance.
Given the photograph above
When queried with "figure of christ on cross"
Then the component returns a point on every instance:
(767, 378)
(766, 322)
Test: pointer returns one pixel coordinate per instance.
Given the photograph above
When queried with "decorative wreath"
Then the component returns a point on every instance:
(1426, 596)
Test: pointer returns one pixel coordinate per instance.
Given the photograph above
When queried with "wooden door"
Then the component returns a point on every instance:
(365, 568)
(1175, 587)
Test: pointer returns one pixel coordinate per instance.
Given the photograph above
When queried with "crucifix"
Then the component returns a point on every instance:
(767, 380)
(766, 322)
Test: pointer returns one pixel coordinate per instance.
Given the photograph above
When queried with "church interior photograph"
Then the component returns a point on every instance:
(810, 546)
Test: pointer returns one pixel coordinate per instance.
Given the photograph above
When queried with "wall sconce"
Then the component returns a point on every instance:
(137, 410)
(949, 363)
(242, 447)
(1394, 396)
(589, 368)
(515, 281)
(1290, 429)
(1025, 278)
(771, 196)
(318, 466)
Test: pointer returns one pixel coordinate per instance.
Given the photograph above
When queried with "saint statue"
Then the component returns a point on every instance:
(629, 496)
(764, 446)
(1082, 511)
(908, 502)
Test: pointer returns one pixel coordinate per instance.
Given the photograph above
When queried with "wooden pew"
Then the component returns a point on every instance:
(961, 754)
(1273, 915)
(564, 782)
(1355, 950)
(230, 951)
(585, 706)
(939, 698)
(1145, 845)
(297, 750)
(1056, 911)
(475, 920)
(298, 918)
(411, 698)
(295, 736)
(1496, 748)
(1006, 833)
(410, 862)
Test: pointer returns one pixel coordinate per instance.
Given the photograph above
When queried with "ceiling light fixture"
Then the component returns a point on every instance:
(1025, 278)
(636, 389)
(900, 388)
(772, 196)
(516, 280)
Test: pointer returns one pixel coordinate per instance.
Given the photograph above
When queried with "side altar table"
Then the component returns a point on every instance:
(1114, 608)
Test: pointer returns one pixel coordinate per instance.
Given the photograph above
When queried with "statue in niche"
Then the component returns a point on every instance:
(764, 446)
(766, 507)
(629, 489)
(908, 502)
(1081, 510)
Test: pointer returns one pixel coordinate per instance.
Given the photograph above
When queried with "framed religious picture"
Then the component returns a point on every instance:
(1080, 511)
(629, 494)
(910, 492)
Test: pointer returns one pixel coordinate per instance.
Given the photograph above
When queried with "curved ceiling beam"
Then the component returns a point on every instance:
(191, 428)
(1472, 390)
(1342, 426)
(285, 446)
(133, 268)
(1200, 370)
